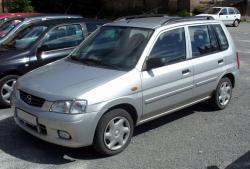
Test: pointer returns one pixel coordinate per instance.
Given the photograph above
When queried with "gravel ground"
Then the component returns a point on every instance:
(194, 138)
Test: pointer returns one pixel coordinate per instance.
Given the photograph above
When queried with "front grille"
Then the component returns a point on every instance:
(31, 100)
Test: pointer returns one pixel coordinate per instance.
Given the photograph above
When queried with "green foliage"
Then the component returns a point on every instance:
(183, 13)
(19, 5)
(197, 10)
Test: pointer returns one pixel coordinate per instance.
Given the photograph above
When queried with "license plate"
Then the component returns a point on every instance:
(26, 117)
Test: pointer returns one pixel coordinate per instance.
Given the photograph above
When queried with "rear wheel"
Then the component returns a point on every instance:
(114, 132)
(7, 84)
(223, 94)
(236, 23)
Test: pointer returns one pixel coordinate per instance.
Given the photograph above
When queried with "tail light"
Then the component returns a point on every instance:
(238, 59)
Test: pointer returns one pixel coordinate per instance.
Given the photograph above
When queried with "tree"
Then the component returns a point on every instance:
(19, 5)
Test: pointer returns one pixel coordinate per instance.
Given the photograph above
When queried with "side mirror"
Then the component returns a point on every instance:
(221, 14)
(40, 51)
(152, 63)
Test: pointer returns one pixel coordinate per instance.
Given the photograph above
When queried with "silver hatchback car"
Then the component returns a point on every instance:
(126, 73)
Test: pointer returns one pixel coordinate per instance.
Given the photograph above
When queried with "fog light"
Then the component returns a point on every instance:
(64, 135)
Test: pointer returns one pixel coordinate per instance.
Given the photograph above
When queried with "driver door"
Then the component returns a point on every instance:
(170, 84)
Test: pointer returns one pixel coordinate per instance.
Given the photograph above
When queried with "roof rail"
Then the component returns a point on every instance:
(183, 19)
(141, 16)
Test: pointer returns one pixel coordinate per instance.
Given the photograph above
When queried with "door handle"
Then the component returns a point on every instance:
(185, 72)
(221, 61)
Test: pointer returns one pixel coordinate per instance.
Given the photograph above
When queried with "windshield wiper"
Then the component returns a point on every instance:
(94, 62)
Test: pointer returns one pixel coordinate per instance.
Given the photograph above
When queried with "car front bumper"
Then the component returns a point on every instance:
(46, 125)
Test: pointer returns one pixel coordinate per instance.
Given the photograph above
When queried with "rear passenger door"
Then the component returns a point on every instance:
(232, 15)
(209, 54)
(59, 42)
(169, 84)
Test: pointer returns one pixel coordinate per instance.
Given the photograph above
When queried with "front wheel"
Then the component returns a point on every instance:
(223, 94)
(7, 84)
(114, 132)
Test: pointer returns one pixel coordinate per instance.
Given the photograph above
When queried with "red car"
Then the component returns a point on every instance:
(10, 20)
(7, 15)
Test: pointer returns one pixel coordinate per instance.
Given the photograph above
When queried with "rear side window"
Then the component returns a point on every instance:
(63, 37)
(170, 47)
(231, 11)
(237, 11)
(203, 41)
(221, 37)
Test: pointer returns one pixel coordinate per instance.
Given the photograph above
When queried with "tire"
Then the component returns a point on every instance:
(223, 94)
(6, 87)
(113, 132)
(236, 23)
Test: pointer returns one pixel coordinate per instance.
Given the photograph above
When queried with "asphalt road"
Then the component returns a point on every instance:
(194, 138)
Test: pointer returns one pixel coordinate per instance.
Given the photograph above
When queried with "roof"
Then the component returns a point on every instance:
(54, 22)
(154, 22)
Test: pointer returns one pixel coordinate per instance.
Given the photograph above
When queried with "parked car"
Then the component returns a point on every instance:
(8, 25)
(127, 73)
(38, 44)
(229, 15)
(14, 24)
(5, 16)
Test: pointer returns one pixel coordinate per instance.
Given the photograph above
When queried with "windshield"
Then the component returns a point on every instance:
(113, 47)
(26, 37)
(213, 11)
(8, 26)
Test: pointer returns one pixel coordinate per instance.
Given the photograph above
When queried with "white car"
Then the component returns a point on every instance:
(229, 15)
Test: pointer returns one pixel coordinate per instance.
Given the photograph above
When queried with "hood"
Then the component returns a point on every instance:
(65, 79)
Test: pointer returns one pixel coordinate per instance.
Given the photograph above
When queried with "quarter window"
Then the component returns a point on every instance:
(63, 37)
(170, 47)
(221, 37)
(231, 11)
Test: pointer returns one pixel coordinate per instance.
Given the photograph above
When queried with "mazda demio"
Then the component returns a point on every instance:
(126, 73)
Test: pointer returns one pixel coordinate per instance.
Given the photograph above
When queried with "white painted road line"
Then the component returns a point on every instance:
(241, 40)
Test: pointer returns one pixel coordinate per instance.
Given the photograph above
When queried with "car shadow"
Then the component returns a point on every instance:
(19, 144)
(201, 107)
(241, 163)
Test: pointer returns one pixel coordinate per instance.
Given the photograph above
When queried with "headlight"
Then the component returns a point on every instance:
(72, 107)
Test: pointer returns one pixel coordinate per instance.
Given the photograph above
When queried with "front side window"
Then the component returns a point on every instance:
(170, 47)
(231, 11)
(26, 37)
(63, 37)
(113, 47)
(221, 37)
(224, 11)
(203, 41)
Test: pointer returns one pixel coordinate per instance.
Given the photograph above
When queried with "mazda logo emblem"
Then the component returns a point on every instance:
(28, 99)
